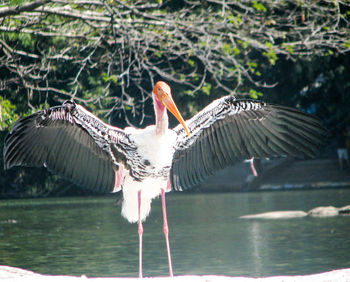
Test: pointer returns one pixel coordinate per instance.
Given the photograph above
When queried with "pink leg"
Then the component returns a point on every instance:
(166, 233)
(140, 234)
(253, 167)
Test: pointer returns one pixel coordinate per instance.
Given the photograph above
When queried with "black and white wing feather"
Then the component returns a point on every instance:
(69, 140)
(228, 131)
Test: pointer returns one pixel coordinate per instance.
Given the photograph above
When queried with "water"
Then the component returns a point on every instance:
(75, 236)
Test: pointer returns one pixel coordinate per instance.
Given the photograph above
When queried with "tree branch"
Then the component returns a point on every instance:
(10, 11)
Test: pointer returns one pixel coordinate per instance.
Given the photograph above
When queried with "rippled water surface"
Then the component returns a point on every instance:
(88, 236)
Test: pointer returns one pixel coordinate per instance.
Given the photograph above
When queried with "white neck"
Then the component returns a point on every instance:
(162, 122)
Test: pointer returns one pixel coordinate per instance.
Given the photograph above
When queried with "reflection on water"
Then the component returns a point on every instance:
(88, 236)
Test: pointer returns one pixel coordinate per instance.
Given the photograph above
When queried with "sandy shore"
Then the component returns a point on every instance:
(8, 273)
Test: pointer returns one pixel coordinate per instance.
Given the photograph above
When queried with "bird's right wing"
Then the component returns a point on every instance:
(228, 131)
(70, 141)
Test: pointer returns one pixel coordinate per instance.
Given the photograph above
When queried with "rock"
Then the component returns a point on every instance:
(323, 212)
(276, 215)
(344, 210)
(316, 212)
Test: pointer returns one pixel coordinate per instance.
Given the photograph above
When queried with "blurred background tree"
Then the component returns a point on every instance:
(107, 55)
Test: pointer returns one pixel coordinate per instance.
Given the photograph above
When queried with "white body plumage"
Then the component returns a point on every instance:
(159, 150)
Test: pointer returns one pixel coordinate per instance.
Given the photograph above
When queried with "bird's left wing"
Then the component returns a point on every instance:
(70, 141)
(228, 131)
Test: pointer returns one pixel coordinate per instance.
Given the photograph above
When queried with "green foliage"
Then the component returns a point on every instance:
(206, 88)
(191, 62)
(111, 78)
(235, 20)
(271, 53)
(17, 2)
(259, 6)
(7, 114)
(243, 44)
(289, 48)
(255, 94)
(230, 49)
(347, 44)
(253, 68)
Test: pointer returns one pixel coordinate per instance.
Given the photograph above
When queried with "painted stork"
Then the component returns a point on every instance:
(146, 163)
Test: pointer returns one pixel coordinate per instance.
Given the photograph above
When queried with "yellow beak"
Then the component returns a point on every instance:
(169, 103)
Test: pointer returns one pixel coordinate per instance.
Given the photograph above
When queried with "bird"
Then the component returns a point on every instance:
(146, 163)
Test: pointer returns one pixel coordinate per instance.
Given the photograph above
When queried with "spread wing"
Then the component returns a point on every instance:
(229, 131)
(69, 140)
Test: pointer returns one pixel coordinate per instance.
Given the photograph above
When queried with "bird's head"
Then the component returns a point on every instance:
(163, 98)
